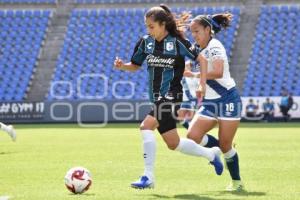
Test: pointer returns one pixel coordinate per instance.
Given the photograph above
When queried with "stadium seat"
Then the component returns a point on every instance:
(29, 1)
(273, 55)
(21, 41)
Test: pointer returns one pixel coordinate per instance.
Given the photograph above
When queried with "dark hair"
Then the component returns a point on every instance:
(163, 14)
(216, 22)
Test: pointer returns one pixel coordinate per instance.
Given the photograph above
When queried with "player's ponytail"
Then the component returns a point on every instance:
(166, 8)
(163, 14)
(216, 22)
(220, 21)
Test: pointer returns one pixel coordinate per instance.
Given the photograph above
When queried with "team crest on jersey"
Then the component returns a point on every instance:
(170, 46)
(206, 53)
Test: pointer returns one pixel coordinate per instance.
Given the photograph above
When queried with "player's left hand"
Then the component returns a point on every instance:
(200, 92)
(188, 73)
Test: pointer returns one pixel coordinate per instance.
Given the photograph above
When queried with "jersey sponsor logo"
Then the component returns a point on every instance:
(156, 61)
(212, 48)
(170, 46)
(215, 53)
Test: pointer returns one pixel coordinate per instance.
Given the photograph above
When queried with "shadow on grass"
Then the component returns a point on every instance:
(243, 193)
(84, 194)
(184, 197)
(6, 152)
(208, 196)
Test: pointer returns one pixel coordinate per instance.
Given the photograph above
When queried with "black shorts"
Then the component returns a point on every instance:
(165, 112)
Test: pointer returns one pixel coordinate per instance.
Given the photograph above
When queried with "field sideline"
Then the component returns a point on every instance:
(33, 168)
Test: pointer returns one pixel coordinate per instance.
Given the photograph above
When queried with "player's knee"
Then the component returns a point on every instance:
(143, 127)
(225, 146)
(194, 137)
(172, 145)
(147, 126)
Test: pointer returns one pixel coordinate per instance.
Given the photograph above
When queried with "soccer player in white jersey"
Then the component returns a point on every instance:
(221, 104)
(9, 129)
(190, 104)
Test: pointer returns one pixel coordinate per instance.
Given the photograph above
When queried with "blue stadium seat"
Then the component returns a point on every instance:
(21, 40)
(273, 54)
(29, 1)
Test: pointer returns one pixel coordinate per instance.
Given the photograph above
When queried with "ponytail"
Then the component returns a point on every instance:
(216, 22)
(166, 8)
(220, 21)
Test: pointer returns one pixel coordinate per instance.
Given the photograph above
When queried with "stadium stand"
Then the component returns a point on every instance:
(28, 1)
(21, 37)
(134, 1)
(94, 38)
(275, 57)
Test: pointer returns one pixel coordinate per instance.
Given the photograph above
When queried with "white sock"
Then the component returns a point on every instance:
(204, 140)
(230, 153)
(3, 127)
(149, 147)
(190, 147)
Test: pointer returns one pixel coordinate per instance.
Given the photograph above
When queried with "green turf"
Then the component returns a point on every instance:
(33, 168)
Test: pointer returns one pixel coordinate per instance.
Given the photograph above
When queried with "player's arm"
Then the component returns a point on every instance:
(203, 76)
(217, 54)
(217, 71)
(119, 64)
(189, 73)
(137, 58)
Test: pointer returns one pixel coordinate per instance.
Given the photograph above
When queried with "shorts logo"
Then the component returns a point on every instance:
(170, 46)
(228, 114)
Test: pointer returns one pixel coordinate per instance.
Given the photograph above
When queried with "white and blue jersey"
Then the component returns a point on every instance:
(221, 100)
(218, 87)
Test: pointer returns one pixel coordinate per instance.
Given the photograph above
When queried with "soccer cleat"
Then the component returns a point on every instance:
(236, 186)
(143, 183)
(217, 163)
(11, 132)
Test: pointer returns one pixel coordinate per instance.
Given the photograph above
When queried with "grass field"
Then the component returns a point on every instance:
(33, 168)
